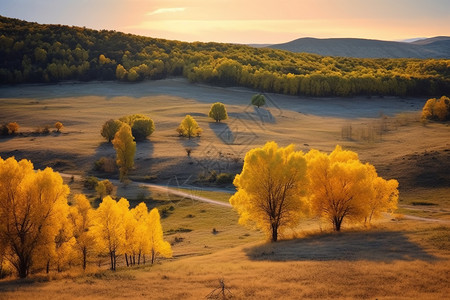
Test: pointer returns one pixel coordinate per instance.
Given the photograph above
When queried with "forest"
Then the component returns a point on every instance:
(35, 53)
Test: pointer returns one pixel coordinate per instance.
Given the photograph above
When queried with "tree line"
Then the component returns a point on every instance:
(50, 53)
(39, 230)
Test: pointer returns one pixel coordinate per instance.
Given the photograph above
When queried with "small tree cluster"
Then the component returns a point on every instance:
(11, 128)
(436, 109)
(141, 127)
(39, 230)
(134, 233)
(279, 185)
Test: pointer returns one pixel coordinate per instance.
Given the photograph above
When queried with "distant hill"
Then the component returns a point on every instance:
(437, 47)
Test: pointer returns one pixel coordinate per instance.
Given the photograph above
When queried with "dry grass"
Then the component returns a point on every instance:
(397, 259)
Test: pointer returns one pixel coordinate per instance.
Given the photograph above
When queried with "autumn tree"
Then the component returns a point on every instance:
(271, 188)
(58, 126)
(108, 229)
(157, 244)
(141, 125)
(258, 100)
(32, 205)
(218, 112)
(343, 188)
(125, 150)
(189, 127)
(104, 188)
(81, 215)
(110, 128)
(141, 242)
(384, 197)
(129, 223)
(13, 128)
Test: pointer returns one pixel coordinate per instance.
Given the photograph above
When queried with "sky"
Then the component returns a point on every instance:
(241, 21)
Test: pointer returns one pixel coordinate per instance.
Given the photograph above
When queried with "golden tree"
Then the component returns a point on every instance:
(58, 126)
(142, 244)
(157, 244)
(125, 150)
(271, 188)
(108, 229)
(385, 196)
(218, 112)
(32, 206)
(104, 188)
(341, 187)
(129, 224)
(81, 215)
(189, 127)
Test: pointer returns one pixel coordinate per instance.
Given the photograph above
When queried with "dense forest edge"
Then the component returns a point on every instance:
(35, 53)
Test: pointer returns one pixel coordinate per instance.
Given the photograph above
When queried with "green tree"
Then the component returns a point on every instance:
(125, 150)
(271, 189)
(258, 100)
(110, 128)
(189, 127)
(218, 112)
(141, 125)
(104, 188)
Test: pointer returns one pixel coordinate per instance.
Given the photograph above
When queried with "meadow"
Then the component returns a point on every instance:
(402, 256)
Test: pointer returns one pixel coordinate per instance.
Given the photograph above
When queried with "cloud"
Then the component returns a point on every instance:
(166, 10)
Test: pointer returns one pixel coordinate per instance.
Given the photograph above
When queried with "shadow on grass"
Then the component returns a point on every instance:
(222, 131)
(383, 246)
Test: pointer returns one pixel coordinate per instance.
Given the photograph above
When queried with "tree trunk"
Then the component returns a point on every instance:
(84, 258)
(126, 259)
(139, 258)
(274, 232)
(144, 259)
(134, 259)
(337, 222)
(48, 266)
(153, 256)
(112, 260)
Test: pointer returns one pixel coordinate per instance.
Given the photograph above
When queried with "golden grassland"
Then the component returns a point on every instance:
(398, 258)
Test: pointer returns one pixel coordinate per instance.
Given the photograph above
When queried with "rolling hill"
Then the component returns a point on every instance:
(437, 47)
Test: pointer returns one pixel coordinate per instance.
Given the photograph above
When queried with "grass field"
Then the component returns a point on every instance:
(398, 258)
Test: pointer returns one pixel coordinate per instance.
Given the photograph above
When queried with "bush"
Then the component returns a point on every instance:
(13, 128)
(225, 178)
(90, 182)
(105, 164)
(141, 126)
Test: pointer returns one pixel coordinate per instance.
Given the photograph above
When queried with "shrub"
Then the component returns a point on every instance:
(90, 182)
(13, 128)
(225, 178)
(141, 126)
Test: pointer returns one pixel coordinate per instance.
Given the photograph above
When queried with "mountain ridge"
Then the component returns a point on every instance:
(436, 47)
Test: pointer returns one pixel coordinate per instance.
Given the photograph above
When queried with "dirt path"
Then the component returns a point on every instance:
(161, 188)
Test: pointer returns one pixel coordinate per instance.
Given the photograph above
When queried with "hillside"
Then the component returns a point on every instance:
(438, 47)
(35, 53)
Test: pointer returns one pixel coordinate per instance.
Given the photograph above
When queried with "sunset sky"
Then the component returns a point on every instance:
(238, 21)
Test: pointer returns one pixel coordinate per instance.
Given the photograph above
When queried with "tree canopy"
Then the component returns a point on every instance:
(189, 127)
(125, 150)
(271, 188)
(258, 100)
(218, 112)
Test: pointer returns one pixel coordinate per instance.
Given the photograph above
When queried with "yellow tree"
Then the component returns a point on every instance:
(129, 224)
(271, 188)
(110, 128)
(385, 196)
(32, 205)
(218, 112)
(157, 244)
(189, 127)
(58, 126)
(108, 229)
(125, 150)
(81, 214)
(140, 214)
(342, 187)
